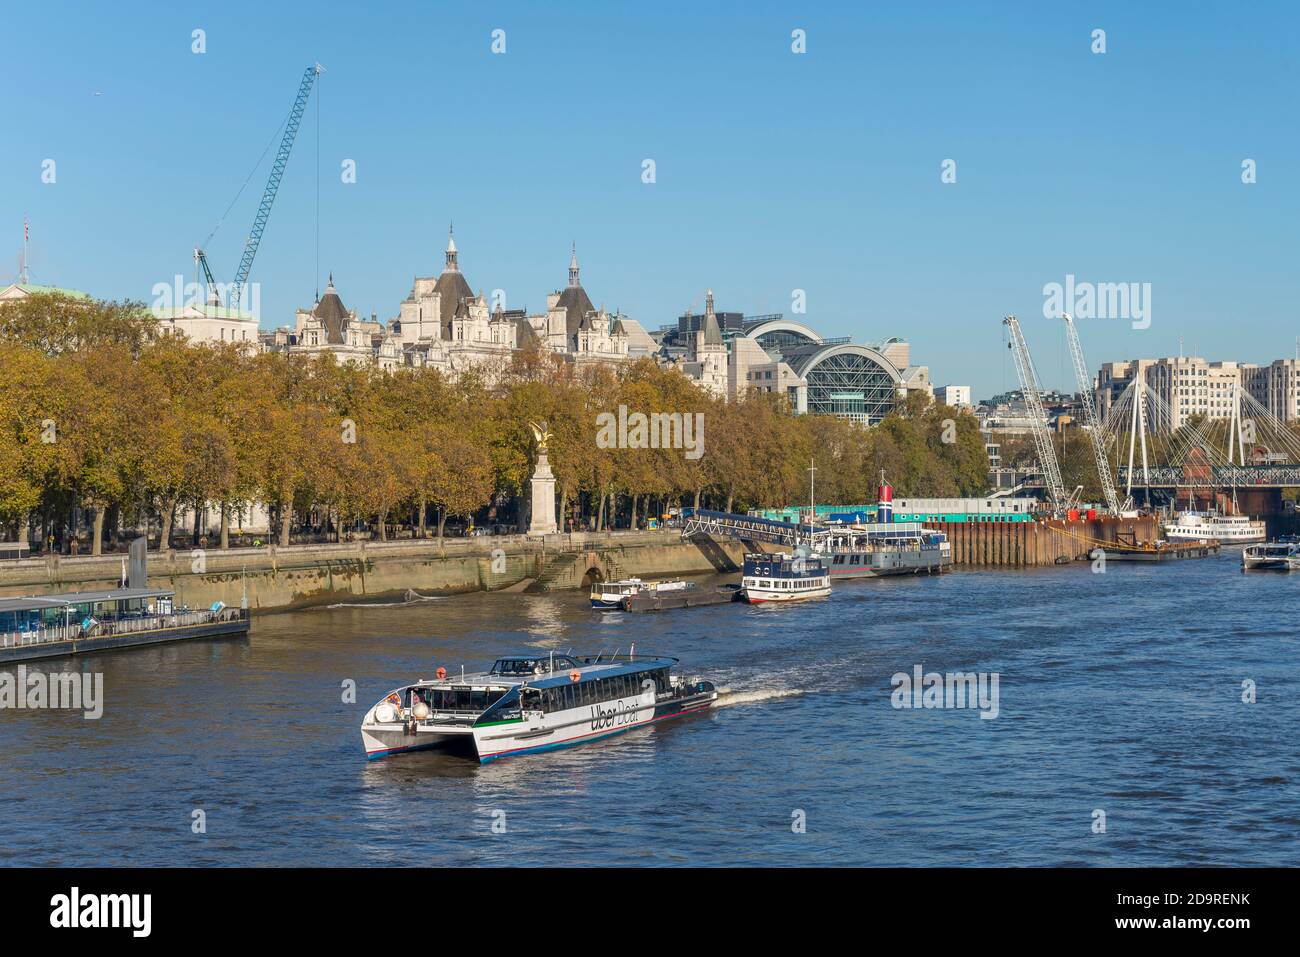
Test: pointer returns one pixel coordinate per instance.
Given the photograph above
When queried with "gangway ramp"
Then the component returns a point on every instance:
(749, 528)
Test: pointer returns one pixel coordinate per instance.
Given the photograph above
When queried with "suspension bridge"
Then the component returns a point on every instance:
(1146, 441)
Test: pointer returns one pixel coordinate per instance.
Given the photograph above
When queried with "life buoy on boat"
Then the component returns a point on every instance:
(575, 674)
(441, 673)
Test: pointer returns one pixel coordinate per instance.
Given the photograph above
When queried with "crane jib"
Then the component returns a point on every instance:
(273, 182)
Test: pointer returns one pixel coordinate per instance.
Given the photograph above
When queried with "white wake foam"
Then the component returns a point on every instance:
(412, 597)
(728, 697)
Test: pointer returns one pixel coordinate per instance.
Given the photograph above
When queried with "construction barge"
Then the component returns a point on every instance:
(689, 597)
(1158, 551)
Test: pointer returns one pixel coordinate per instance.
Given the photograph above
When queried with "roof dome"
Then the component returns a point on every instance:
(332, 314)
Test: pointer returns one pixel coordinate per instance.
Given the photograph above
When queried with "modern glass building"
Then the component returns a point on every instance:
(848, 380)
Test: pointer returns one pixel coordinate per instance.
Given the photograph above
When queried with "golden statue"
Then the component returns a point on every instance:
(542, 434)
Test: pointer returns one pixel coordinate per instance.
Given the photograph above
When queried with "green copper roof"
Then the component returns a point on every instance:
(34, 290)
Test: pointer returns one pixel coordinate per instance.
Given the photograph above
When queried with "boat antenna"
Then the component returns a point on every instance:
(812, 501)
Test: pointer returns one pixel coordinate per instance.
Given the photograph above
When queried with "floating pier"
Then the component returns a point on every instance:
(78, 622)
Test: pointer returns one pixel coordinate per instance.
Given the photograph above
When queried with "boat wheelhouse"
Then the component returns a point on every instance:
(783, 577)
(611, 594)
(530, 703)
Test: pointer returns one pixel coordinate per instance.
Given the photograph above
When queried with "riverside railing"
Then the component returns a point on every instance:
(119, 626)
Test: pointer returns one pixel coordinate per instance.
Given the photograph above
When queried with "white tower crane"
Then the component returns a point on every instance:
(1092, 419)
(1037, 415)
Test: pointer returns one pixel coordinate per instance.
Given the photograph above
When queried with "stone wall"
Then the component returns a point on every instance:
(301, 575)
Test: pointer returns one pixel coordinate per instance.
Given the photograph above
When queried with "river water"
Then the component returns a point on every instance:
(1118, 692)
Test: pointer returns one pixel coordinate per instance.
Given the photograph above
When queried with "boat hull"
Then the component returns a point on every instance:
(1271, 565)
(380, 741)
(756, 597)
(577, 726)
(1271, 558)
(883, 563)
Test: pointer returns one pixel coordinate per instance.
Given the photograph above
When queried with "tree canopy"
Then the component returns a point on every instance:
(100, 412)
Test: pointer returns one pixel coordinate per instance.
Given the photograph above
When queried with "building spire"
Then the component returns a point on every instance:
(712, 331)
(451, 249)
(573, 267)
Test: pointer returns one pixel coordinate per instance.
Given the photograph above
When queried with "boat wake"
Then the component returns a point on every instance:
(411, 597)
(726, 696)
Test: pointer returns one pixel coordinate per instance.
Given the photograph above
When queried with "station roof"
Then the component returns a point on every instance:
(69, 598)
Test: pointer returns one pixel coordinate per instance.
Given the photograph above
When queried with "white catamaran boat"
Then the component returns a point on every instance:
(528, 703)
(1228, 529)
(611, 594)
(1275, 556)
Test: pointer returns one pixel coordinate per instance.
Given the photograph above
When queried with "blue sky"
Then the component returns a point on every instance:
(775, 171)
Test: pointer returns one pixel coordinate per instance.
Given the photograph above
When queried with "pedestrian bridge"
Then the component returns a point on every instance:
(1205, 476)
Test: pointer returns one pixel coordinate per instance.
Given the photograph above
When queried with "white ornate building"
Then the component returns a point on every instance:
(442, 323)
(331, 327)
(574, 327)
(707, 357)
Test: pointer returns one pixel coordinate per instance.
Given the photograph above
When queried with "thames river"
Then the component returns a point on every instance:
(1121, 735)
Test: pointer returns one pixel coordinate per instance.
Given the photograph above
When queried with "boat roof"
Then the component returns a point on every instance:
(70, 598)
(606, 669)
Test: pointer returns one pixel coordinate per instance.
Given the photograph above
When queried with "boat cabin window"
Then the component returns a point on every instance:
(454, 699)
(506, 708)
(516, 667)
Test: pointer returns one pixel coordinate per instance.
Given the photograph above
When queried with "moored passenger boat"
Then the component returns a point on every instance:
(1273, 556)
(784, 577)
(1206, 526)
(611, 594)
(531, 703)
(884, 548)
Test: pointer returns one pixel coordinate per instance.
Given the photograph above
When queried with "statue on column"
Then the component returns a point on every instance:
(543, 485)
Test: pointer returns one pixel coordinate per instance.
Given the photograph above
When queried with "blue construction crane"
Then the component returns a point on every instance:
(268, 194)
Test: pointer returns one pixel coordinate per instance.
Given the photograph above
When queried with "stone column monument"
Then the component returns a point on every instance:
(543, 521)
